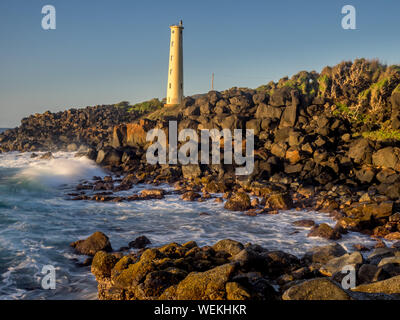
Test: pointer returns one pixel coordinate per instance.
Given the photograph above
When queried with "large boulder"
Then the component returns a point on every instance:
(268, 112)
(324, 231)
(208, 285)
(336, 265)
(325, 253)
(388, 286)
(289, 115)
(230, 246)
(281, 97)
(388, 157)
(260, 97)
(136, 133)
(239, 201)
(108, 156)
(360, 151)
(140, 242)
(316, 289)
(279, 201)
(102, 264)
(98, 241)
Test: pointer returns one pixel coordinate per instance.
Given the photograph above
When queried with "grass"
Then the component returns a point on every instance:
(142, 107)
(323, 82)
(382, 135)
(349, 113)
(147, 106)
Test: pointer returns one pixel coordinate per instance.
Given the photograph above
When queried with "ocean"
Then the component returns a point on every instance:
(38, 222)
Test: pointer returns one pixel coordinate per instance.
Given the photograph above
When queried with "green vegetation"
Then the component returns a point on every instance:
(142, 107)
(352, 114)
(147, 106)
(382, 134)
(305, 82)
(323, 82)
(266, 87)
(122, 104)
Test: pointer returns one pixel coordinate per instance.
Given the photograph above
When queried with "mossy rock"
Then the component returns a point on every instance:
(208, 285)
(102, 264)
(239, 201)
(230, 246)
(235, 291)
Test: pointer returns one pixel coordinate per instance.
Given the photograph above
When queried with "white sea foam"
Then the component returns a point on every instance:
(63, 169)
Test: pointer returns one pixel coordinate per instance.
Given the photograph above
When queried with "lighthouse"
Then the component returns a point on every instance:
(175, 70)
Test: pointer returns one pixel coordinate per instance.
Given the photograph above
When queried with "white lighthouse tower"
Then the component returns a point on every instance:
(175, 71)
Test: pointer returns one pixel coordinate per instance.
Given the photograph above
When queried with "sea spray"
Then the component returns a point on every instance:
(57, 172)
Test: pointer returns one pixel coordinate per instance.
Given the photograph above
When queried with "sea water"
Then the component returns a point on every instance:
(38, 222)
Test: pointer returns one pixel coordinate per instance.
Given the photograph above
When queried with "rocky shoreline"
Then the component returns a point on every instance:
(326, 142)
(229, 270)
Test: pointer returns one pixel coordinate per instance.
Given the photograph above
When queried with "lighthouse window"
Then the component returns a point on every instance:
(171, 58)
(170, 85)
(172, 44)
(173, 31)
(170, 71)
(181, 85)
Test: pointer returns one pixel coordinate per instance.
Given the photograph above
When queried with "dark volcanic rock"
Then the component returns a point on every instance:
(238, 202)
(139, 243)
(324, 231)
(98, 241)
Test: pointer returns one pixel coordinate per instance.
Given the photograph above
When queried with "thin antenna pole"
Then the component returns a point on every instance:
(212, 81)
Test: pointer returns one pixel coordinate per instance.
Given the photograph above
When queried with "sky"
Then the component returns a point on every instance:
(103, 51)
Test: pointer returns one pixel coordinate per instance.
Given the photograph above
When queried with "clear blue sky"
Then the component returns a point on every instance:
(106, 51)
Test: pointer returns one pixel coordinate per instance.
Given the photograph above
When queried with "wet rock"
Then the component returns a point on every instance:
(102, 264)
(47, 156)
(360, 247)
(389, 260)
(98, 241)
(379, 253)
(230, 246)
(336, 265)
(324, 231)
(388, 286)
(153, 193)
(325, 253)
(239, 201)
(366, 273)
(190, 196)
(280, 262)
(140, 242)
(316, 289)
(156, 282)
(108, 156)
(279, 201)
(208, 285)
(393, 236)
(304, 223)
(235, 291)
